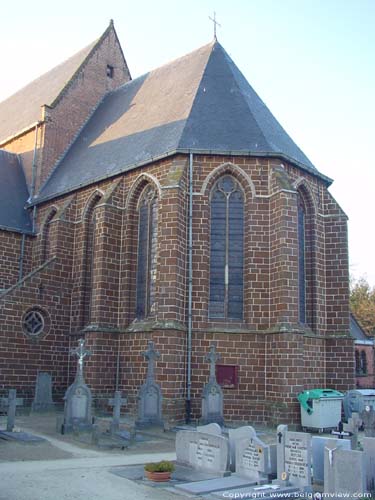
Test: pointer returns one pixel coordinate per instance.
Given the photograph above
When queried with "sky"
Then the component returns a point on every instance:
(311, 61)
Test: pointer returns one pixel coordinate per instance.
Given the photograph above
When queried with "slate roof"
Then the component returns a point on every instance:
(13, 194)
(356, 331)
(199, 103)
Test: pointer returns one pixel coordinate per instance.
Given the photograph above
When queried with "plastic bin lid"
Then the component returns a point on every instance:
(362, 392)
(305, 397)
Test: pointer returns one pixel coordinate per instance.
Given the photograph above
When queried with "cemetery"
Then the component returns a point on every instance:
(209, 458)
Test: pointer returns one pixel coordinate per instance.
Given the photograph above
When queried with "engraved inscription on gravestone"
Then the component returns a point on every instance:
(298, 458)
(252, 457)
(203, 454)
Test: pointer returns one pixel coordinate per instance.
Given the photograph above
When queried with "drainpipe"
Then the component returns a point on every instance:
(190, 290)
(33, 174)
(33, 168)
(22, 253)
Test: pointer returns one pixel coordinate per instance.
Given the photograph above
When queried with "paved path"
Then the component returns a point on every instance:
(77, 478)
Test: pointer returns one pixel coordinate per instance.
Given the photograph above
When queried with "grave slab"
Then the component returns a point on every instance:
(264, 492)
(20, 436)
(217, 484)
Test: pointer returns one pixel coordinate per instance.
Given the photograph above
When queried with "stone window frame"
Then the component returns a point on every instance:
(45, 319)
(88, 256)
(305, 197)
(145, 305)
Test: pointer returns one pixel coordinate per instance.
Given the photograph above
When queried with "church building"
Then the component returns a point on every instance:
(171, 208)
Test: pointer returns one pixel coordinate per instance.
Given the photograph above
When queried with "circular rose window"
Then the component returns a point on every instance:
(34, 322)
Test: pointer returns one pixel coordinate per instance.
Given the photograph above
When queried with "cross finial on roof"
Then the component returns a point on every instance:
(215, 24)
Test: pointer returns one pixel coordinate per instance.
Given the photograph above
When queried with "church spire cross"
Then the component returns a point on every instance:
(213, 19)
(81, 353)
(212, 357)
(151, 355)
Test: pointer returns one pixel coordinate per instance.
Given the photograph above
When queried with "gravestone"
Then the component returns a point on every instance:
(203, 452)
(43, 393)
(78, 398)
(12, 403)
(344, 470)
(369, 453)
(368, 419)
(117, 401)
(297, 464)
(210, 429)
(244, 432)
(212, 396)
(293, 459)
(255, 460)
(149, 394)
(317, 444)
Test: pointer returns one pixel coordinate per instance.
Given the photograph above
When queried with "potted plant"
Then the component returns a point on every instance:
(159, 471)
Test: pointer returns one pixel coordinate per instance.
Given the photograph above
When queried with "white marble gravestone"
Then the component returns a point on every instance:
(203, 452)
(235, 435)
(344, 471)
(255, 460)
(317, 444)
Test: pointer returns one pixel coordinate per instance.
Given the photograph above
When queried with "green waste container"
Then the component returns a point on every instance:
(320, 408)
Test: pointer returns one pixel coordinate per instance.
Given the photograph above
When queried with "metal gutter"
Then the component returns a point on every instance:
(167, 154)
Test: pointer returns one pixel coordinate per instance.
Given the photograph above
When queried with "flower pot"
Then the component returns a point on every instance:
(158, 477)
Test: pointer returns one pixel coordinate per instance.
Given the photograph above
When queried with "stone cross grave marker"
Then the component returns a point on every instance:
(117, 401)
(78, 398)
(149, 394)
(369, 453)
(212, 396)
(344, 470)
(368, 418)
(353, 425)
(43, 393)
(10, 403)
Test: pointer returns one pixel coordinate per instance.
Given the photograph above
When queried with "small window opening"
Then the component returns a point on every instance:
(110, 71)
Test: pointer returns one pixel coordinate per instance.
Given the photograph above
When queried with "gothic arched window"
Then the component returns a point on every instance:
(226, 252)
(301, 260)
(147, 246)
(88, 279)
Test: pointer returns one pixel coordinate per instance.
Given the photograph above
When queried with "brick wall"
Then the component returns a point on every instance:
(276, 357)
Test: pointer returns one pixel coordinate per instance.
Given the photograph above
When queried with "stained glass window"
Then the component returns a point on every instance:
(301, 260)
(147, 245)
(226, 250)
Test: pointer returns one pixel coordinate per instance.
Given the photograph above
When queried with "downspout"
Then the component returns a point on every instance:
(33, 173)
(190, 291)
(22, 254)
